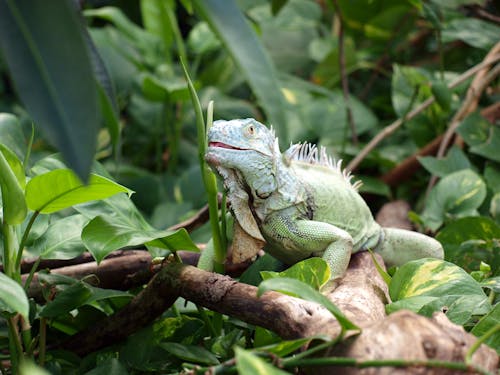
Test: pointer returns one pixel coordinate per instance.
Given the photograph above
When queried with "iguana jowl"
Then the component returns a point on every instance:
(300, 202)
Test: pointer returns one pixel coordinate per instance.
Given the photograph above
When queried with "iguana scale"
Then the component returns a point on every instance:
(301, 203)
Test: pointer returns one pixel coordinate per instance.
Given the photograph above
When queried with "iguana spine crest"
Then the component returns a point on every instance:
(310, 154)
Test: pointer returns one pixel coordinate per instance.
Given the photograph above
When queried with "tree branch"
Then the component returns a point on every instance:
(361, 295)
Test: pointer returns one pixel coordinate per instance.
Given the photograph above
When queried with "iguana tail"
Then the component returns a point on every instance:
(400, 246)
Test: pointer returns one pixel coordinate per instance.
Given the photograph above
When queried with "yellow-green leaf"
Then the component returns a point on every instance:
(428, 285)
(313, 271)
(249, 364)
(61, 188)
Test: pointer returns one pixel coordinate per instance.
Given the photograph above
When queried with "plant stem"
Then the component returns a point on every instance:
(479, 341)
(208, 177)
(43, 341)
(23, 240)
(311, 351)
(28, 148)
(207, 321)
(353, 362)
(26, 334)
(9, 251)
(33, 269)
(15, 346)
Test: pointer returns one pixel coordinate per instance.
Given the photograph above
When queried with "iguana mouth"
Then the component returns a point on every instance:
(223, 145)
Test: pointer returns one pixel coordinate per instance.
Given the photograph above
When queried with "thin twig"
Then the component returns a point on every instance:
(407, 168)
(388, 130)
(343, 75)
(468, 106)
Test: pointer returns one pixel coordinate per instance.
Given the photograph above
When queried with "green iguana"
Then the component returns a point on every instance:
(301, 203)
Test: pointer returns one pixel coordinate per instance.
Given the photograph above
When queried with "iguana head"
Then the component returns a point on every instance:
(248, 148)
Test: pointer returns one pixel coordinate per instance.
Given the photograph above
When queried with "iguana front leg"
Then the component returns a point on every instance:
(292, 240)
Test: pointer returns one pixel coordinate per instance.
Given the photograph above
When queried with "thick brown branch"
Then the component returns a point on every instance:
(122, 271)
(361, 295)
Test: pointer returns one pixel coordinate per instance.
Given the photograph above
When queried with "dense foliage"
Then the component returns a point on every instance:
(104, 88)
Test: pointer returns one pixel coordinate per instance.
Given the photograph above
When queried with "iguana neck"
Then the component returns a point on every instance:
(288, 191)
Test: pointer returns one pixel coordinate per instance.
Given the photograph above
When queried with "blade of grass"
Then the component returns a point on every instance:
(209, 179)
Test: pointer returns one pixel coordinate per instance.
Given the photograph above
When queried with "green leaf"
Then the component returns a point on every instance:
(15, 165)
(233, 30)
(492, 283)
(122, 23)
(111, 366)
(62, 240)
(249, 364)
(457, 195)
(252, 275)
(109, 115)
(69, 299)
(492, 177)
(482, 136)
(28, 367)
(75, 296)
(157, 22)
(13, 201)
(313, 271)
(495, 207)
(11, 134)
(104, 234)
(61, 188)
(304, 291)
(455, 160)
(202, 39)
(470, 240)
(287, 347)
(157, 89)
(13, 299)
(405, 80)
(429, 285)
(486, 323)
(57, 85)
(473, 31)
(190, 353)
(442, 94)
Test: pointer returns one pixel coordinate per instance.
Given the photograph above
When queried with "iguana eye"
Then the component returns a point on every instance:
(250, 130)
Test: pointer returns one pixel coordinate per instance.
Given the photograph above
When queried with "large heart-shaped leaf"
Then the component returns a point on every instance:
(457, 195)
(429, 285)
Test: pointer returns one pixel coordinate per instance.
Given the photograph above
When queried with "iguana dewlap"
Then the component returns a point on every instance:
(300, 202)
